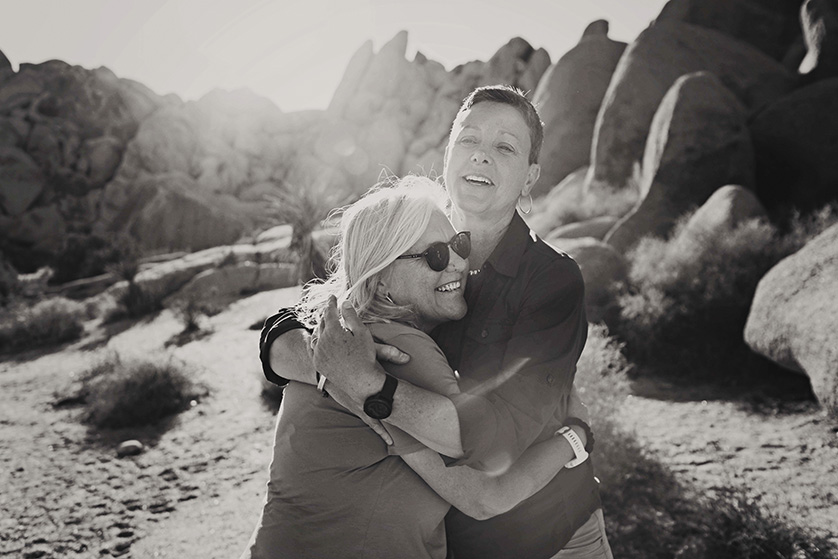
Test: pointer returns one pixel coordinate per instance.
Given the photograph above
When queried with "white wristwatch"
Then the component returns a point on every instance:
(576, 444)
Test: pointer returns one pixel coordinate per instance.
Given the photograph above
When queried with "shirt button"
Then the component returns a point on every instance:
(484, 333)
(550, 380)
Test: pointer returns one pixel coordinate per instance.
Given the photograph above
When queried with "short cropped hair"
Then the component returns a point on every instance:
(514, 97)
(388, 220)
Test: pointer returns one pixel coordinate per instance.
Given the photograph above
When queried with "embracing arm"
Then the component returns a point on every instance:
(492, 429)
(285, 350)
(347, 358)
(482, 495)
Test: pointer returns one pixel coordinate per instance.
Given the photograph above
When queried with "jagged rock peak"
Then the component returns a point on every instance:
(4, 62)
(598, 28)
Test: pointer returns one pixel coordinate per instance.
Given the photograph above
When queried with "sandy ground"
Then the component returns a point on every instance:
(197, 489)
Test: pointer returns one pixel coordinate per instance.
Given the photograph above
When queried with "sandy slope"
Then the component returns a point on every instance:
(197, 489)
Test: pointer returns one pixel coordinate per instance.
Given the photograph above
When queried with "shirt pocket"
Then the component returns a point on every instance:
(490, 332)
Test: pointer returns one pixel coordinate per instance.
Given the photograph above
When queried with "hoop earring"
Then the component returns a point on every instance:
(520, 207)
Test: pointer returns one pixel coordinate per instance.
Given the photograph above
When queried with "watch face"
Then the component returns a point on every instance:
(377, 409)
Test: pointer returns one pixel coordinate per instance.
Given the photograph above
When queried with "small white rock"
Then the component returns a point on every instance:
(129, 448)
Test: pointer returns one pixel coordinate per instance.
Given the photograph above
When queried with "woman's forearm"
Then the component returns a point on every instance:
(483, 495)
(429, 417)
(290, 356)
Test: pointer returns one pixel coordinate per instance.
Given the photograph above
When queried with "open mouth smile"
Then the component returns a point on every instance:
(452, 286)
(479, 180)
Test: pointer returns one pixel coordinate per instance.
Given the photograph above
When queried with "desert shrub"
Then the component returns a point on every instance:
(189, 311)
(136, 301)
(602, 373)
(49, 322)
(121, 393)
(684, 306)
(305, 209)
(86, 255)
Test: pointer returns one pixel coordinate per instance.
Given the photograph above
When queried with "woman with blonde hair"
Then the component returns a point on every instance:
(336, 489)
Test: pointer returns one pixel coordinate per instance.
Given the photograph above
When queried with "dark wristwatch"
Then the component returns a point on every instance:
(589, 435)
(380, 406)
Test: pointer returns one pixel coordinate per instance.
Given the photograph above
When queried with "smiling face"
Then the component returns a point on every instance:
(487, 161)
(436, 297)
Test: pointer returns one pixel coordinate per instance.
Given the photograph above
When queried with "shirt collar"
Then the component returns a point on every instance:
(507, 256)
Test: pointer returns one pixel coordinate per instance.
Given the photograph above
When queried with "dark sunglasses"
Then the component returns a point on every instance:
(438, 255)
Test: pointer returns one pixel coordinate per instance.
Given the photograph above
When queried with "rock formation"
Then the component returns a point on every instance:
(771, 26)
(794, 319)
(698, 142)
(658, 57)
(819, 19)
(796, 146)
(568, 100)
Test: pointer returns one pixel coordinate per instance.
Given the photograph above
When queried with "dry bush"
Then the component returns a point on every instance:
(135, 302)
(602, 373)
(121, 393)
(682, 312)
(47, 323)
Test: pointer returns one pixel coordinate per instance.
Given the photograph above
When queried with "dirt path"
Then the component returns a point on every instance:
(194, 492)
(197, 489)
(789, 461)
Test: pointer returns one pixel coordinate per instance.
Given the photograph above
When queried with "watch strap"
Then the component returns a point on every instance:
(589, 434)
(576, 444)
(389, 388)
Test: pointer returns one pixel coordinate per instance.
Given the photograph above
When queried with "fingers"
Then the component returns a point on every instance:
(391, 354)
(330, 314)
(380, 431)
(350, 317)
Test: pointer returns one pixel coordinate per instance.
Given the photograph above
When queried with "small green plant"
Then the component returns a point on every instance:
(48, 323)
(121, 393)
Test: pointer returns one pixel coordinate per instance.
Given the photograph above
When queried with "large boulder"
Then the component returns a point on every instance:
(40, 230)
(658, 57)
(794, 315)
(21, 181)
(68, 127)
(796, 145)
(568, 98)
(557, 207)
(820, 31)
(769, 25)
(168, 212)
(601, 266)
(699, 142)
(726, 209)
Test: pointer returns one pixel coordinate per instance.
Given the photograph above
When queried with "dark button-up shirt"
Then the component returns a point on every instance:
(516, 353)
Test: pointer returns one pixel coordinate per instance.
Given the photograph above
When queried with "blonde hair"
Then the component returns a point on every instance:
(388, 220)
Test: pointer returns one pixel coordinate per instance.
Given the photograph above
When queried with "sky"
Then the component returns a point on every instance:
(293, 52)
